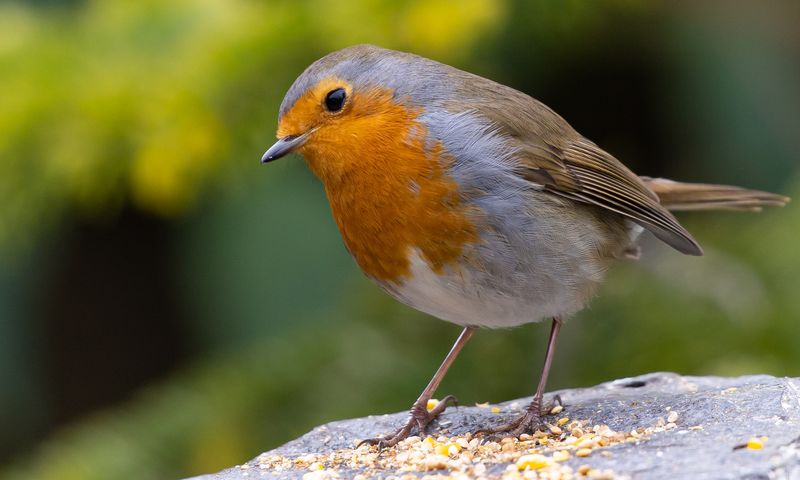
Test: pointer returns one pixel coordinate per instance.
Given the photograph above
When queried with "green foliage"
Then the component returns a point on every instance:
(152, 103)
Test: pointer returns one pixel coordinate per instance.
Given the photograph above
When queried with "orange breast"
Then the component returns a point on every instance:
(389, 193)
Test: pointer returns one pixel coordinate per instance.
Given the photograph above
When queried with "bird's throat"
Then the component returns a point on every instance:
(390, 193)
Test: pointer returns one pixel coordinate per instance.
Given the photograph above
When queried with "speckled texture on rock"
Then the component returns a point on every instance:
(730, 411)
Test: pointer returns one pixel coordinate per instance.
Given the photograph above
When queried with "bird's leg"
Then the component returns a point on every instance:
(419, 416)
(532, 417)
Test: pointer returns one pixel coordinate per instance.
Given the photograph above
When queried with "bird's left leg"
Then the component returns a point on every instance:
(419, 416)
(532, 417)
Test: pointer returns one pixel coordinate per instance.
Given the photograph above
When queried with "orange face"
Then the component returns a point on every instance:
(388, 190)
(366, 120)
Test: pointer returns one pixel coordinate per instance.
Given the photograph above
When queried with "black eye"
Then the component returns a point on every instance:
(335, 100)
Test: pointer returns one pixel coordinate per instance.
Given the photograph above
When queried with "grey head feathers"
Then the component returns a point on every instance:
(414, 79)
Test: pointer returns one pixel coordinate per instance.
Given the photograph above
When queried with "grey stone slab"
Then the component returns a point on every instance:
(730, 411)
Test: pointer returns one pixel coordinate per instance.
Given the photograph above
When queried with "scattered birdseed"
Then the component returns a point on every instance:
(561, 455)
(755, 444)
(533, 462)
(495, 409)
(432, 404)
(672, 417)
(482, 405)
(320, 475)
(556, 410)
(448, 449)
(541, 454)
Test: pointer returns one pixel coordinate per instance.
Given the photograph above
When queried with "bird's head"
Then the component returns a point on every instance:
(356, 106)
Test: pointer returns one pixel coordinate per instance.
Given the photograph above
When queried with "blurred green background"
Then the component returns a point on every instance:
(169, 307)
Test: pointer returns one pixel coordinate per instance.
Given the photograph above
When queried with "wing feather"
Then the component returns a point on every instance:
(558, 159)
(587, 174)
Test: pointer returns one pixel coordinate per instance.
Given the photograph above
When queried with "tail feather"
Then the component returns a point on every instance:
(677, 196)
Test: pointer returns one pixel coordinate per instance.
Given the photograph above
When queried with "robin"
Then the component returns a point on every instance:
(473, 202)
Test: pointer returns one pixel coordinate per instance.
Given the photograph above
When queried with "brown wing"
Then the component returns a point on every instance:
(552, 154)
(581, 171)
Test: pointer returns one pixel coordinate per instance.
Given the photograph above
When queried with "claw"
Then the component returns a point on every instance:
(419, 417)
(442, 405)
(370, 442)
(526, 423)
(531, 420)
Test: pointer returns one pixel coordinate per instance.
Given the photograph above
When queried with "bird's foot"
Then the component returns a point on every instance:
(529, 422)
(419, 417)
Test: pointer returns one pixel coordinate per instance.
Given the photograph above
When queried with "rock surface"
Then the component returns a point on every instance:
(712, 422)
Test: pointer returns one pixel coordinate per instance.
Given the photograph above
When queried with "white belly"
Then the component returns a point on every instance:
(542, 272)
(455, 297)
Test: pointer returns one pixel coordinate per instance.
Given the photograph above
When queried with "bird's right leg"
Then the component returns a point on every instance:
(419, 416)
(532, 417)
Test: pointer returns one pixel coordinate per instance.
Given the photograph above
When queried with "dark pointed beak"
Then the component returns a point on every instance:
(283, 147)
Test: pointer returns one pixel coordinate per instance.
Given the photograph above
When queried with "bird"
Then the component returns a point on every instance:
(473, 202)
